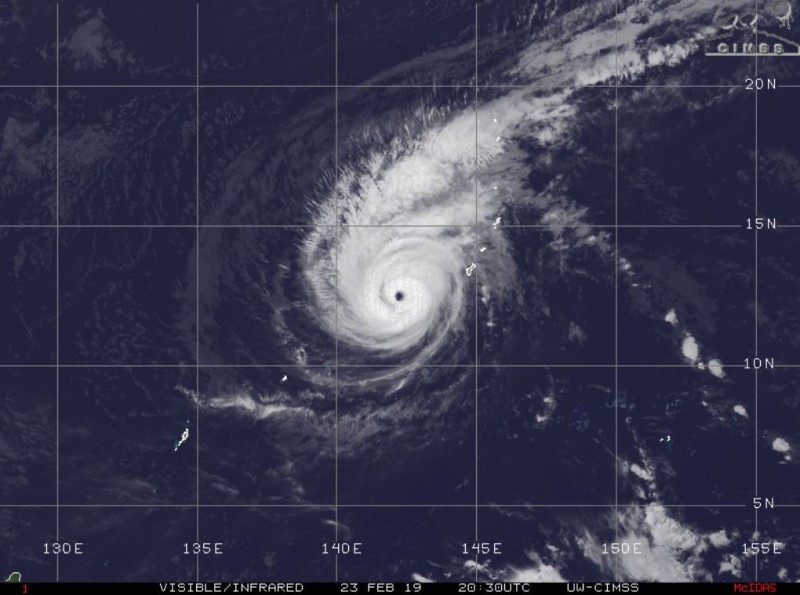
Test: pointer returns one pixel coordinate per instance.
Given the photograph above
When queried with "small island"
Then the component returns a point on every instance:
(14, 577)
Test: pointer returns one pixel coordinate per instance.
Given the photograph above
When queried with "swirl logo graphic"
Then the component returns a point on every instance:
(748, 31)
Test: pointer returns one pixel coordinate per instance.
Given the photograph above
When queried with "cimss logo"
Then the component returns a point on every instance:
(751, 32)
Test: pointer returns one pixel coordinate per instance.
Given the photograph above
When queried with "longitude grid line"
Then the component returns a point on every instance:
(616, 282)
(58, 293)
(755, 283)
(475, 255)
(336, 282)
(197, 285)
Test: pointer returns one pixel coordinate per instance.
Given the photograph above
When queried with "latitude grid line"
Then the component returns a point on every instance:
(380, 366)
(371, 86)
(57, 227)
(325, 226)
(333, 505)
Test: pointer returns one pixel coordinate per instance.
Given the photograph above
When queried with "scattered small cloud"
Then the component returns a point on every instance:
(780, 445)
(715, 367)
(690, 349)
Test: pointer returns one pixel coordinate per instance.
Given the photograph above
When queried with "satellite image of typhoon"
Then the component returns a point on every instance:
(501, 291)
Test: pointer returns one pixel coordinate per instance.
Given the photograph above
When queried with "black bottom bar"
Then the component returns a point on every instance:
(393, 588)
